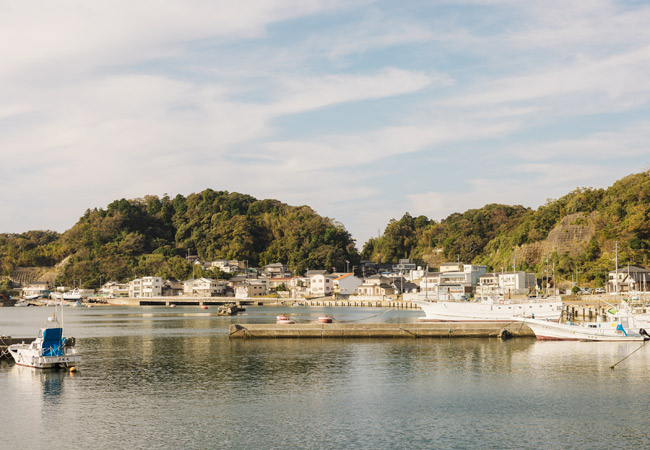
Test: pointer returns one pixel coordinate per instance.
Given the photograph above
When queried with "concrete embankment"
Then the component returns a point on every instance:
(380, 330)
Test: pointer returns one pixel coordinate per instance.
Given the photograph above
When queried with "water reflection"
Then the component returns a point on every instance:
(157, 378)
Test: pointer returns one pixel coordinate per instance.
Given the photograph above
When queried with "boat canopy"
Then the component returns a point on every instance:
(52, 345)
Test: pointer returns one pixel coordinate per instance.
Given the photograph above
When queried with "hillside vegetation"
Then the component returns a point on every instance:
(575, 234)
(152, 236)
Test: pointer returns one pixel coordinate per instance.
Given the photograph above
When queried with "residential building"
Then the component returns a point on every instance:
(251, 288)
(276, 270)
(375, 286)
(115, 289)
(36, 288)
(505, 283)
(628, 279)
(172, 288)
(346, 284)
(321, 285)
(204, 287)
(146, 287)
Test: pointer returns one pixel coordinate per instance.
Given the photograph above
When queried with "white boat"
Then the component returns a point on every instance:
(73, 295)
(22, 303)
(48, 351)
(490, 309)
(619, 326)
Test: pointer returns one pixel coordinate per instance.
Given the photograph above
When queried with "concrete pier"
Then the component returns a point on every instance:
(380, 330)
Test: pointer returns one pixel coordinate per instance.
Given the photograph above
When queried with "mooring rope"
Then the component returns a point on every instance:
(642, 345)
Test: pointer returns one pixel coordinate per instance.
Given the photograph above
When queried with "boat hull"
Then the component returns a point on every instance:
(545, 330)
(488, 312)
(23, 355)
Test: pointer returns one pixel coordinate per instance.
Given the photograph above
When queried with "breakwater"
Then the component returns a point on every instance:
(380, 330)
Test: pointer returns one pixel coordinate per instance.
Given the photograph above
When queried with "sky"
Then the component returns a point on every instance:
(363, 110)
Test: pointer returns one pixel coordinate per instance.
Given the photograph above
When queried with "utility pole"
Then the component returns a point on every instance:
(616, 279)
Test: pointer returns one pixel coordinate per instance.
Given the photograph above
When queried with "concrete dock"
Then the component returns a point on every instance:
(380, 330)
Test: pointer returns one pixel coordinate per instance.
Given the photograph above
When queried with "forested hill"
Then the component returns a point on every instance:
(576, 233)
(152, 236)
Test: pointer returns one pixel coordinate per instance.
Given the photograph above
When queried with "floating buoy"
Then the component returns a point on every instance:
(72, 369)
(284, 319)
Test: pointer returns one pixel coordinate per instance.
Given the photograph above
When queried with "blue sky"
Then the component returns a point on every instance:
(363, 110)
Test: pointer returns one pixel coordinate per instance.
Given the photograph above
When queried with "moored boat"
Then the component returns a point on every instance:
(491, 309)
(49, 350)
(325, 319)
(619, 326)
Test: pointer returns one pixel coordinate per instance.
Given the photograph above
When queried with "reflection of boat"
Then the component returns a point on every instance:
(284, 319)
(49, 350)
(492, 309)
(620, 326)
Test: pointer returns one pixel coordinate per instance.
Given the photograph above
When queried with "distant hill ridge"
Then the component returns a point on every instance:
(576, 234)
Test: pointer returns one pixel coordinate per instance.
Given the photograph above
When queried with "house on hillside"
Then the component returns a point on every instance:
(628, 279)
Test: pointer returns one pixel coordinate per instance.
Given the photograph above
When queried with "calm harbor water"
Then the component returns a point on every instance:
(155, 377)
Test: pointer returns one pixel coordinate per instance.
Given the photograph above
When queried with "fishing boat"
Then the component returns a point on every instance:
(490, 309)
(50, 350)
(621, 325)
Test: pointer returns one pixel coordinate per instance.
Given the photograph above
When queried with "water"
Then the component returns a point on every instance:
(161, 378)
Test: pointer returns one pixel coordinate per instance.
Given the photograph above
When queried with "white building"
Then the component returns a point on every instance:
(203, 287)
(452, 282)
(505, 283)
(321, 285)
(146, 287)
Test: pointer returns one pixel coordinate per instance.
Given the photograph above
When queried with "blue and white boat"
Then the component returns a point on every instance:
(50, 350)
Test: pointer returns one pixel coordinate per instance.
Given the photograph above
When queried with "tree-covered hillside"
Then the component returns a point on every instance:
(152, 236)
(576, 234)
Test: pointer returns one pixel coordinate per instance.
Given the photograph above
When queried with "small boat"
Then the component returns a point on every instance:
(325, 319)
(620, 326)
(22, 303)
(50, 350)
(204, 307)
(73, 295)
(284, 319)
